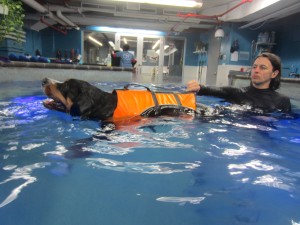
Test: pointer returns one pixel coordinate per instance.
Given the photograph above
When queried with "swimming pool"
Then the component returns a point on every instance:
(220, 170)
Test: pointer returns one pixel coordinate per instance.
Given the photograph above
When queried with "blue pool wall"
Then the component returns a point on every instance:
(29, 71)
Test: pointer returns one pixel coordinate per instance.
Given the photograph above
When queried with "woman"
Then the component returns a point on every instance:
(265, 79)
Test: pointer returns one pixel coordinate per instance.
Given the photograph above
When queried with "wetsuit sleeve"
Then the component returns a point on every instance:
(285, 105)
(220, 92)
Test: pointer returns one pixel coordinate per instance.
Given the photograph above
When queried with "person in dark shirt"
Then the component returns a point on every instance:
(265, 79)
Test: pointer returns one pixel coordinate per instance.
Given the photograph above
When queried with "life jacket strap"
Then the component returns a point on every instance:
(136, 102)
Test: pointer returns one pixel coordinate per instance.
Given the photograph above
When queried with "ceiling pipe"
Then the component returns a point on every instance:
(66, 20)
(55, 18)
(40, 8)
(272, 15)
(53, 27)
(213, 16)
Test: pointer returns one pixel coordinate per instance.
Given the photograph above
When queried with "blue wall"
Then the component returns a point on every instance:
(232, 32)
(48, 41)
(287, 39)
(244, 37)
(53, 40)
(33, 42)
(191, 59)
(288, 42)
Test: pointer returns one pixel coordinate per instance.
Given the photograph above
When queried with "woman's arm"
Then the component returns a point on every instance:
(220, 92)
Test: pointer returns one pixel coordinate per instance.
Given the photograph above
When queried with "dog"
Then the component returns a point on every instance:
(81, 99)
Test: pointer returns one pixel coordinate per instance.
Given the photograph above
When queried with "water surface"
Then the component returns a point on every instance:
(227, 169)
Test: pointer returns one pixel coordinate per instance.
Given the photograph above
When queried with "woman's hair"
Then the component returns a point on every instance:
(126, 47)
(276, 63)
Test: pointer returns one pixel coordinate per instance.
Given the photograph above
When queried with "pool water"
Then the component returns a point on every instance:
(225, 169)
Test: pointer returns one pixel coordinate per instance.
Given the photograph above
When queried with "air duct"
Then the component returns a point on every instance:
(66, 20)
(38, 7)
(55, 18)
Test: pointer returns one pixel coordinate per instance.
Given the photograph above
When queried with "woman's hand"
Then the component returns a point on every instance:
(193, 86)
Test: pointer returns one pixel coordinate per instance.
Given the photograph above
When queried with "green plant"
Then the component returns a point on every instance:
(12, 22)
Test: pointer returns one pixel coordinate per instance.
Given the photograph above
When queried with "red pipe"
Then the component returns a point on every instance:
(214, 16)
(53, 27)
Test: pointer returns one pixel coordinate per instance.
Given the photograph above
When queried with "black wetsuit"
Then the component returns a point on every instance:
(265, 99)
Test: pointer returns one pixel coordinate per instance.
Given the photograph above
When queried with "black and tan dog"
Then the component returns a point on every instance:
(80, 98)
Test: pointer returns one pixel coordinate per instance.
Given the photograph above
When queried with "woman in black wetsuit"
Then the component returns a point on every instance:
(265, 79)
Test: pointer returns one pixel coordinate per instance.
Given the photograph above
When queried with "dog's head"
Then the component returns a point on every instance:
(79, 98)
(57, 101)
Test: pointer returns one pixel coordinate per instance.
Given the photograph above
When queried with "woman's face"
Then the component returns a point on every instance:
(262, 73)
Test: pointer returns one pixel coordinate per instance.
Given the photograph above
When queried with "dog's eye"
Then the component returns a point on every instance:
(44, 82)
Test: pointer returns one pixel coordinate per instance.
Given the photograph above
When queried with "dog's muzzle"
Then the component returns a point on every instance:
(47, 81)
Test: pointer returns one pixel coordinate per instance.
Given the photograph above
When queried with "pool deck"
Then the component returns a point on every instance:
(62, 66)
(30, 71)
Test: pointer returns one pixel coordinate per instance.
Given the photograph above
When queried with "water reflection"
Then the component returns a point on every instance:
(244, 163)
(182, 200)
(20, 173)
(141, 167)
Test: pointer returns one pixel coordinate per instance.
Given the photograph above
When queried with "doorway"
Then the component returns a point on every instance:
(174, 59)
(159, 59)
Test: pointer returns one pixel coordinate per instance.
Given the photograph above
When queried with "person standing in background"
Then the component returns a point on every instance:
(127, 58)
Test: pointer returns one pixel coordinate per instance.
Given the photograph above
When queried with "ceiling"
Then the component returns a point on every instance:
(80, 14)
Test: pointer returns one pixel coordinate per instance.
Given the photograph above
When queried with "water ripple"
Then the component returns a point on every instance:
(182, 200)
(140, 167)
(20, 173)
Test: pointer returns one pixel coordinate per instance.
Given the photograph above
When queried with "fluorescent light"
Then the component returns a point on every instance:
(156, 44)
(125, 41)
(165, 47)
(111, 44)
(172, 51)
(182, 3)
(94, 40)
(126, 31)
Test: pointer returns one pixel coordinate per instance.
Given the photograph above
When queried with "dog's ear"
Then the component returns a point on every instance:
(81, 95)
(70, 89)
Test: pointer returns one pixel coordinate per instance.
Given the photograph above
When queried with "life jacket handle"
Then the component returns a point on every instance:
(157, 109)
(126, 87)
(138, 85)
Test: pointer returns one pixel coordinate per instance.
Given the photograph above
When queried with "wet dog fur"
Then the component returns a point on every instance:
(79, 98)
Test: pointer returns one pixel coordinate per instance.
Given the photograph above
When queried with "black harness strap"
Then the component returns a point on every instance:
(157, 107)
(178, 100)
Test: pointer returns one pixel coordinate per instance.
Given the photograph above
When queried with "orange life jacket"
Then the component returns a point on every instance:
(148, 103)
